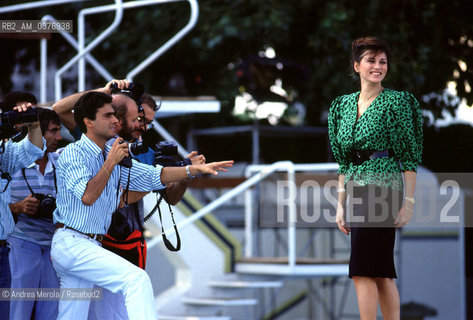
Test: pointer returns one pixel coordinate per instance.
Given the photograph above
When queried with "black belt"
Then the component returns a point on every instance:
(3, 243)
(97, 237)
(360, 156)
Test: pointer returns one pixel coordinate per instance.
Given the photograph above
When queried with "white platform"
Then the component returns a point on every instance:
(177, 106)
(225, 302)
(300, 270)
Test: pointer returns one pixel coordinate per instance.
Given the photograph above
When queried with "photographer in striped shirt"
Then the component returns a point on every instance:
(33, 193)
(13, 157)
(90, 184)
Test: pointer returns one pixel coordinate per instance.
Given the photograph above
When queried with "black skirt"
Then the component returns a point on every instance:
(372, 231)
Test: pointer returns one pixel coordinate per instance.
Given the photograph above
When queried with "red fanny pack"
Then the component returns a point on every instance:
(133, 248)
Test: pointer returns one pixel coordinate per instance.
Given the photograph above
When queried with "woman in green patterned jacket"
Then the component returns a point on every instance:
(376, 138)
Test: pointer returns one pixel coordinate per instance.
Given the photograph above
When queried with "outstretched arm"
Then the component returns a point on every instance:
(175, 174)
(175, 191)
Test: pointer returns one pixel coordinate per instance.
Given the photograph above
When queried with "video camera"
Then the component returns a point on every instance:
(164, 152)
(10, 118)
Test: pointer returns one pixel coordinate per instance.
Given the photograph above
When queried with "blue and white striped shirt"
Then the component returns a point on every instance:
(15, 157)
(34, 229)
(77, 165)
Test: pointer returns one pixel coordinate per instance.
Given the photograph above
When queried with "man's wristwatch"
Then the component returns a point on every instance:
(188, 171)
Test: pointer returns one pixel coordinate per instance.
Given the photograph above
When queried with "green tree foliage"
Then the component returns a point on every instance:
(428, 38)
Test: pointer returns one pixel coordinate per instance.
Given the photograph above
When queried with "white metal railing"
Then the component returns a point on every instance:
(73, 42)
(292, 219)
(166, 46)
(81, 40)
(262, 172)
(83, 51)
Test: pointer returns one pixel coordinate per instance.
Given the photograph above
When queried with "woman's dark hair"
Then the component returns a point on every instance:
(360, 46)
(87, 106)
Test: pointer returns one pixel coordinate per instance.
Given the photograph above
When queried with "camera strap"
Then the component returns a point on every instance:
(5, 176)
(125, 193)
(23, 170)
(162, 195)
(26, 180)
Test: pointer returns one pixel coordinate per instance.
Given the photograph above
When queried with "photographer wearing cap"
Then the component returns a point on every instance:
(33, 193)
(13, 157)
(89, 187)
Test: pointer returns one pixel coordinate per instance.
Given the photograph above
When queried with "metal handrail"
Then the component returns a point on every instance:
(166, 46)
(222, 199)
(263, 172)
(291, 226)
(73, 42)
(83, 51)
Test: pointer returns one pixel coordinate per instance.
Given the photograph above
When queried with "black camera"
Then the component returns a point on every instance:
(134, 90)
(163, 154)
(10, 118)
(47, 205)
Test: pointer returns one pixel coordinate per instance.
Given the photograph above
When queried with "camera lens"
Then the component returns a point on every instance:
(137, 148)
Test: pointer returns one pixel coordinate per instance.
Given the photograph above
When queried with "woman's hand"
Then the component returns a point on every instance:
(340, 220)
(404, 216)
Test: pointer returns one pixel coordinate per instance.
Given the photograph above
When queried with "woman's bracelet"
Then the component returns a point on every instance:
(411, 200)
(341, 190)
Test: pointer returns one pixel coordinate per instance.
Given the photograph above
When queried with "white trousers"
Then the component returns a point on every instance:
(81, 262)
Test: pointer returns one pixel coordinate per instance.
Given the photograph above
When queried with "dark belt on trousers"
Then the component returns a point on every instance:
(360, 156)
(97, 237)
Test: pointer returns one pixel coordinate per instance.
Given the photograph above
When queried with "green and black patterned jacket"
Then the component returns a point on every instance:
(392, 121)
